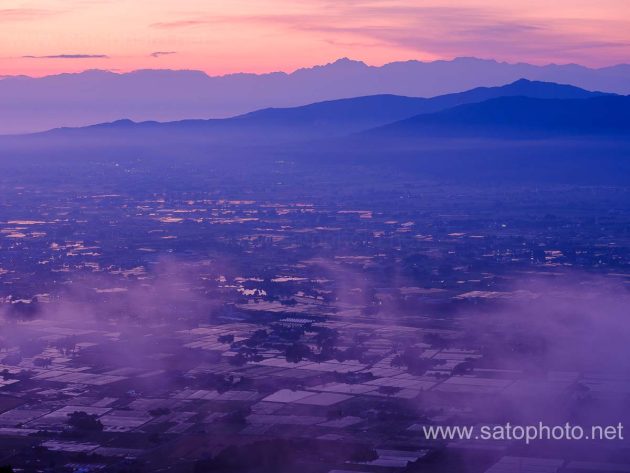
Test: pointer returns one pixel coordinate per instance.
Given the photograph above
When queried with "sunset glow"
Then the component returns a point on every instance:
(219, 37)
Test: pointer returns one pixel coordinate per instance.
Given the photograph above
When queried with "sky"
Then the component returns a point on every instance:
(42, 37)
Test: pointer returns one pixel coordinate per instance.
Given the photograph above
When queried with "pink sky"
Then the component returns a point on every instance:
(40, 37)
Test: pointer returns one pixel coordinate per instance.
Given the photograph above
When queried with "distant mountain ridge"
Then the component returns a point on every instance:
(319, 120)
(349, 115)
(36, 104)
(523, 131)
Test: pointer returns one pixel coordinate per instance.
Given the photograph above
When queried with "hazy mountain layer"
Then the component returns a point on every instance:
(35, 104)
(324, 120)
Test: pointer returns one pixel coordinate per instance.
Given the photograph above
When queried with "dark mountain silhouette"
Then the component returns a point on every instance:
(349, 115)
(36, 104)
(559, 133)
(316, 121)
(517, 116)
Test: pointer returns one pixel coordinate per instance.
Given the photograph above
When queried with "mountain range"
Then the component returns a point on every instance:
(525, 130)
(72, 100)
(522, 106)
(519, 117)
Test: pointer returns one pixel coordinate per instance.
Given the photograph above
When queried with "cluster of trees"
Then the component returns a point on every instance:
(159, 411)
(42, 362)
(229, 338)
(244, 355)
(83, 422)
(67, 345)
(22, 375)
(24, 310)
(411, 358)
(297, 352)
(325, 342)
(322, 346)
